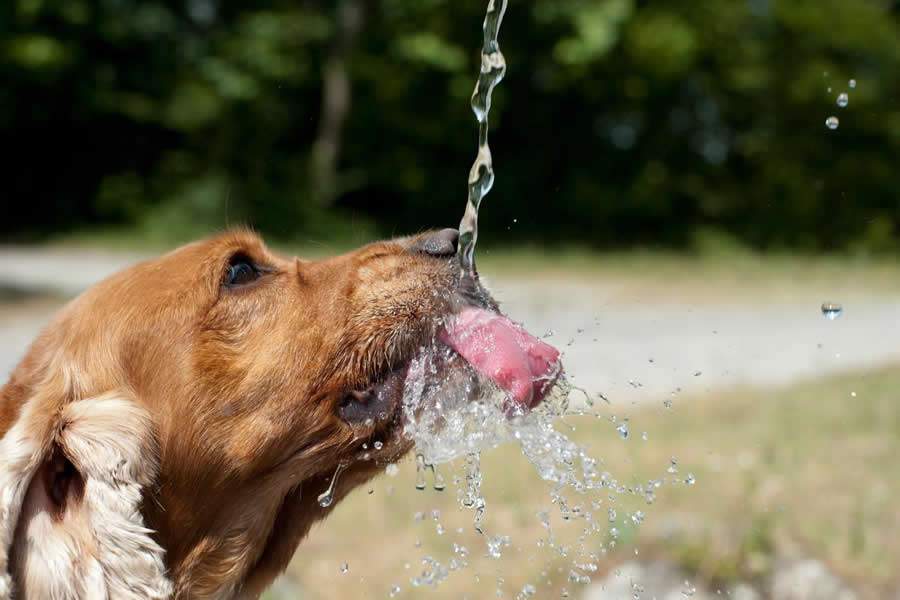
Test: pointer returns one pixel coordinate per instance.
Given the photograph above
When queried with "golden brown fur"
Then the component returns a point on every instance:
(233, 393)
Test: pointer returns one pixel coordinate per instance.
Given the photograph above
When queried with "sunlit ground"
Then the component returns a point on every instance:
(806, 470)
(803, 471)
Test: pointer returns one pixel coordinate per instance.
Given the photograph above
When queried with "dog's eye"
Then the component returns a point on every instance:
(241, 271)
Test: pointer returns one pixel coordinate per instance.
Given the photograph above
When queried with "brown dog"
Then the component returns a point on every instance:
(169, 432)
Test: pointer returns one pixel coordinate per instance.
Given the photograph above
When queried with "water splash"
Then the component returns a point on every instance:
(481, 176)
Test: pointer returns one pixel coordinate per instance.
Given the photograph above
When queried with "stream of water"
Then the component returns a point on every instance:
(452, 415)
(481, 176)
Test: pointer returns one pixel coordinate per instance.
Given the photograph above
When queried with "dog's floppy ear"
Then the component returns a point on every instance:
(72, 478)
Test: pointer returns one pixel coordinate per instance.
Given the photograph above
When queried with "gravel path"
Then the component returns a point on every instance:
(631, 352)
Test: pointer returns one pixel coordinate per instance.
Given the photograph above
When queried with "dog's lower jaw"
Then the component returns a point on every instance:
(300, 510)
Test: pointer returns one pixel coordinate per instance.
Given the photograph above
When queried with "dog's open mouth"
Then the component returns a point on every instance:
(378, 403)
(487, 345)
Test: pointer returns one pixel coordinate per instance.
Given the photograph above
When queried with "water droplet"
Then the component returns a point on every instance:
(832, 311)
(852, 84)
(644, 436)
(623, 431)
(395, 590)
(698, 373)
(392, 470)
(638, 517)
(327, 497)
(378, 445)
(420, 472)
(673, 466)
(345, 568)
(843, 100)
(690, 479)
(439, 484)
(496, 544)
(853, 394)
(832, 123)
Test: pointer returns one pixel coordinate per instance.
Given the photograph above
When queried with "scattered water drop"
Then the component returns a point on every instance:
(852, 84)
(327, 497)
(843, 100)
(576, 577)
(832, 123)
(832, 311)
(644, 436)
(439, 483)
(690, 479)
(420, 472)
(623, 431)
(496, 544)
(395, 591)
(378, 445)
(345, 568)
(392, 470)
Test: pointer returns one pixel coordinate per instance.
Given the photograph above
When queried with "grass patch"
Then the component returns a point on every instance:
(806, 471)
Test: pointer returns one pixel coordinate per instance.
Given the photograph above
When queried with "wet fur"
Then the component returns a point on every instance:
(200, 422)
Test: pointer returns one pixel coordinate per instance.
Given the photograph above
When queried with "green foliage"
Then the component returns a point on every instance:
(621, 122)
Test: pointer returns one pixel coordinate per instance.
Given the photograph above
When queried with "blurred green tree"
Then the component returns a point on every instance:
(621, 122)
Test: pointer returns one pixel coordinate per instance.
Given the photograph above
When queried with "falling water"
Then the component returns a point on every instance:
(451, 413)
(326, 498)
(481, 177)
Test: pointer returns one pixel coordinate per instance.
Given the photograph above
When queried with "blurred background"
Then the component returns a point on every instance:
(671, 209)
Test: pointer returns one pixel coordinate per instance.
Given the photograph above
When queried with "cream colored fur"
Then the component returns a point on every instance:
(98, 547)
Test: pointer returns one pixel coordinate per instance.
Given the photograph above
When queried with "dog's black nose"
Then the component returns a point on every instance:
(440, 244)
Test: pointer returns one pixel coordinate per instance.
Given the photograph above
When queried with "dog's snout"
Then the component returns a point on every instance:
(440, 244)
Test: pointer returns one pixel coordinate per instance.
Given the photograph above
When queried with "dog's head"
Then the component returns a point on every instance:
(209, 396)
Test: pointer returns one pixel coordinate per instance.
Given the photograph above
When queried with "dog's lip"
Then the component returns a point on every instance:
(377, 403)
(381, 400)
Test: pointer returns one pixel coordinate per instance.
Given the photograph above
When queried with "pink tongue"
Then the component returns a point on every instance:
(502, 351)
